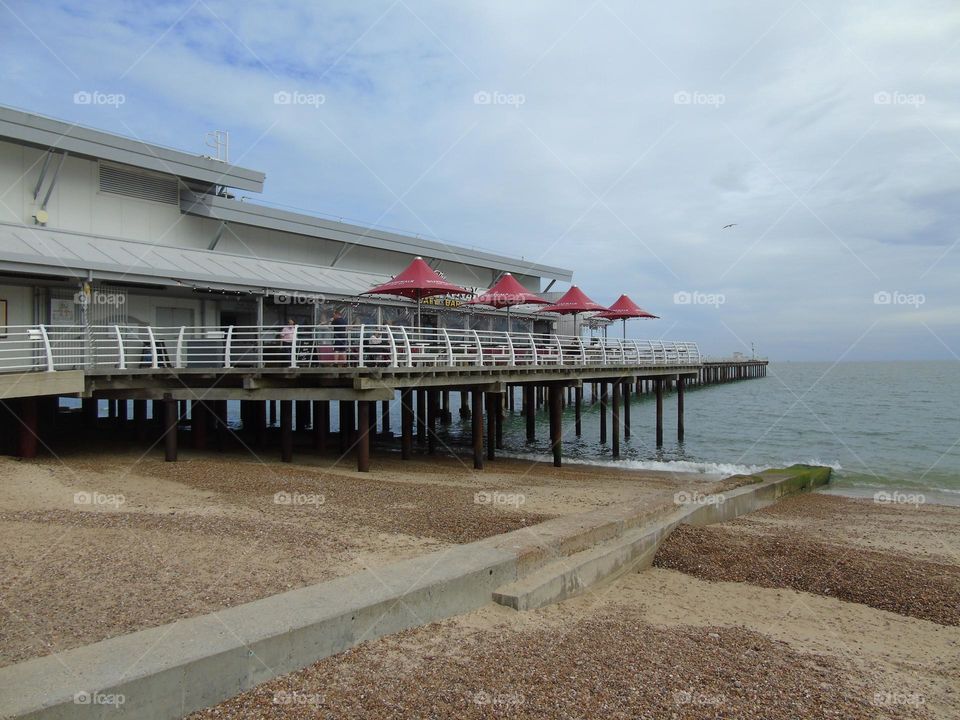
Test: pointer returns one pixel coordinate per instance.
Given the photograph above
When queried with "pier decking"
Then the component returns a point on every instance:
(191, 372)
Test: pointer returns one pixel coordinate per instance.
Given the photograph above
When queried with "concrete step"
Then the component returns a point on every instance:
(572, 575)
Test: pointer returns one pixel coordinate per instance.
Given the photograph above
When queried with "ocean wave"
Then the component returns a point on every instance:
(679, 466)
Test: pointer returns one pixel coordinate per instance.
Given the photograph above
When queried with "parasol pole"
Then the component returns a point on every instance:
(418, 308)
(624, 328)
(509, 326)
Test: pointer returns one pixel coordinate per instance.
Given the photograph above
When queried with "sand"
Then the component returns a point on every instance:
(152, 542)
(663, 643)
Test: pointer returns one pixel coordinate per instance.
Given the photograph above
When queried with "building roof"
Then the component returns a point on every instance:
(44, 132)
(246, 213)
(41, 251)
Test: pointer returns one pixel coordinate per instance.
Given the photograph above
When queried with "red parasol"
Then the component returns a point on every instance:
(505, 294)
(623, 309)
(416, 282)
(573, 302)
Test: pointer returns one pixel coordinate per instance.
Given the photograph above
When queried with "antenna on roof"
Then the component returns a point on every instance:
(219, 140)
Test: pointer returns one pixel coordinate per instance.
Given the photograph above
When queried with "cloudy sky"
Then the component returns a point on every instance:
(616, 138)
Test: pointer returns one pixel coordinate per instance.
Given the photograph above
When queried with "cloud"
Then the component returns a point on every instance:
(828, 133)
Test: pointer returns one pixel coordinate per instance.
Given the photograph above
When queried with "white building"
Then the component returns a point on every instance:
(156, 236)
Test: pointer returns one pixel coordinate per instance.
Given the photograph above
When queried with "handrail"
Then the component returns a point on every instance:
(132, 347)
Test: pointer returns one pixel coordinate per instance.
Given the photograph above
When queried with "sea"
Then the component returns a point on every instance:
(882, 427)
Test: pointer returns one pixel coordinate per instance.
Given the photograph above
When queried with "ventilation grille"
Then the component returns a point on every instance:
(121, 181)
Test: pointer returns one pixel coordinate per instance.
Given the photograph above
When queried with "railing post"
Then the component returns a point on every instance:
(121, 355)
(360, 354)
(178, 358)
(533, 349)
(476, 336)
(446, 338)
(513, 356)
(393, 347)
(155, 360)
(406, 341)
(583, 351)
(47, 350)
(559, 349)
(603, 350)
(636, 347)
(227, 347)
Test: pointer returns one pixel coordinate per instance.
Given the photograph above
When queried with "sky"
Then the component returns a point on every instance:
(614, 138)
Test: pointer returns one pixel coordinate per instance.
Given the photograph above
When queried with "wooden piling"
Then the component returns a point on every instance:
(406, 423)
(658, 384)
(491, 426)
(680, 388)
(578, 409)
(556, 425)
(286, 430)
(476, 422)
(29, 427)
(198, 424)
(627, 386)
(617, 391)
(603, 411)
(530, 412)
(364, 417)
(170, 418)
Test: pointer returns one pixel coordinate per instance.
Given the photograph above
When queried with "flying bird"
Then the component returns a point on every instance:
(729, 226)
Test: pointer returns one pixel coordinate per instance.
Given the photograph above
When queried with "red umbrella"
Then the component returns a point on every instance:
(507, 293)
(573, 302)
(623, 309)
(416, 282)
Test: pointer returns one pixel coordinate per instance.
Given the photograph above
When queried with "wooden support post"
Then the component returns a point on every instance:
(343, 435)
(617, 391)
(530, 411)
(140, 419)
(603, 411)
(364, 418)
(627, 386)
(259, 415)
(446, 415)
(421, 416)
(406, 423)
(198, 424)
(432, 408)
(680, 388)
(499, 421)
(464, 404)
(491, 426)
(578, 409)
(303, 415)
(170, 418)
(476, 422)
(286, 430)
(122, 411)
(556, 423)
(222, 428)
(659, 387)
(321, 424)
(29, 427)
(272, 412)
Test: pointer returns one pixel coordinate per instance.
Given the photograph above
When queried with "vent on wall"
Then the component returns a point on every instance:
(136, 184)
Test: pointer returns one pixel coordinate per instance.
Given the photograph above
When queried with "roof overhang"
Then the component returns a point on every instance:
(245, 213)
(47, 133)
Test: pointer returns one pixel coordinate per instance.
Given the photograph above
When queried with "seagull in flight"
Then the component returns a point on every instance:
(729, 226)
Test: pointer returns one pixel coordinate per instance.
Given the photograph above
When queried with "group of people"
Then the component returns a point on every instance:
(376, 352)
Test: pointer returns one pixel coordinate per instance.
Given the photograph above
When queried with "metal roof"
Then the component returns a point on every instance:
(44, 132)
(42, 251)
(245, 213)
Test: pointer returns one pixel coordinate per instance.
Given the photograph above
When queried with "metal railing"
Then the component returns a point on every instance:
(132, 347)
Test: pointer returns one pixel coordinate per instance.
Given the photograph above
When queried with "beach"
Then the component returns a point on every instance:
(101, 544)
(696, 642)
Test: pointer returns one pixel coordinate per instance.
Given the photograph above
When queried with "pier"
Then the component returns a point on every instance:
(190, 373)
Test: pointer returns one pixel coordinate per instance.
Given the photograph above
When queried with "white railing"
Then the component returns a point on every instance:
(131, 347)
